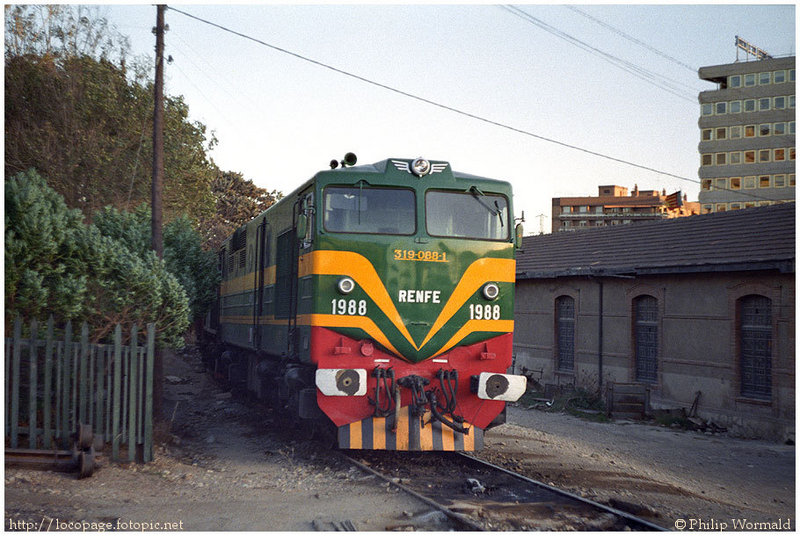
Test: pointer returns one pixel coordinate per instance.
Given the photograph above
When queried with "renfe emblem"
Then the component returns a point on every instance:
(419, 167)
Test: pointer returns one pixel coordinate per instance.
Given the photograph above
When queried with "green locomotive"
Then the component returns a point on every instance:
(378, 298)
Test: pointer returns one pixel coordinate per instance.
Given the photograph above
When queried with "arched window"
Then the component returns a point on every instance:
(755, 346)
(645, 314)
(565, 333)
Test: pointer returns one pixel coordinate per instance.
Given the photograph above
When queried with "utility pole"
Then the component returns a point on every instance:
(158, 187)
(158, 137)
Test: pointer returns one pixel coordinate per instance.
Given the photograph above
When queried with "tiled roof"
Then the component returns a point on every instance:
(750, 239)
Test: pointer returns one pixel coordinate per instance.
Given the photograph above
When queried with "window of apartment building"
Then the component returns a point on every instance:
(721, 108)
(720, 207)
(598, 209)
(779, 103)
(583, 223)
(749, 157)
(791, 127)
(750, 80)
(706, 159)
(705, 184)
(764, 78)
(749, 105)
(779, 77)
(735, 81)
(735, 107)
(736, 206)
(721, 133)
(791, 101)
(749, 131)
(707, 109)
(763, 155)
(778, 155)
(583, 209)
(764, 181)
(791, 75)
(705, 134)
(764, 129)
(754, 313)
(566, 210)
(721, 159)
(791, 153)
(736, 183)
(707, 209)
(791, 180)
(749, 183)
(646, 338)
(779, 129)
(735, 132)
(565, 333)
(735, 158)
(779, 181)
(749, 204)
(720, 184)
(764, 104)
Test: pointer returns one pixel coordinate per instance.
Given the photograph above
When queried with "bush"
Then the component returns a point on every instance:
(56, 264)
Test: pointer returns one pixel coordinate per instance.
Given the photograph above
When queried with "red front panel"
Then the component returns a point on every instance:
(330, 350)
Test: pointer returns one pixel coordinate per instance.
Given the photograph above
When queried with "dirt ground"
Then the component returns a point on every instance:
(668, 476)
(219, 466)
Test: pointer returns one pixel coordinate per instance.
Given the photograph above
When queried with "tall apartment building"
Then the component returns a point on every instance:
(613, 206)
(747, 134)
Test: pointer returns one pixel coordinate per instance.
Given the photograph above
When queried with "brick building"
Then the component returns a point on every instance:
(685, 306)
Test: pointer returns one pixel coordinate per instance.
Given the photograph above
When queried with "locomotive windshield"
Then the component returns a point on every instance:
(466, 215)
(353, 209)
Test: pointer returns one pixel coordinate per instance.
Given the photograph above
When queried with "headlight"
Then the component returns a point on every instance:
(342, 382)
(490, 291)
(420, 167)
(346, 285)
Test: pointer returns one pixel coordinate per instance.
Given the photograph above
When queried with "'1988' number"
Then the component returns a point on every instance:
(349, 307)
(484, 312)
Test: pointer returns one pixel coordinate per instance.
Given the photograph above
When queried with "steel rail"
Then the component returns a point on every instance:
(455, 516)
(643, 524)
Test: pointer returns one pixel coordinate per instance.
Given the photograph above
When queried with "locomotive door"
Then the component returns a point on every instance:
(286, 283)
(262, 261)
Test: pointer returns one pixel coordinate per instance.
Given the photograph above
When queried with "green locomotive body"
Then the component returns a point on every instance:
(379, 298)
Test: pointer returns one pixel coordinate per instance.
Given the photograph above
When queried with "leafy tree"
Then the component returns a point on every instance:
(237, 201)
(56, 264)
(79, 114)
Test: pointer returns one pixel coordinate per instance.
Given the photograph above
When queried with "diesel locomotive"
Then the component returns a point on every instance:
(379, 299)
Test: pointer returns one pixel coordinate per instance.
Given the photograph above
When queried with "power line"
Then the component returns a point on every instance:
(631, 38)
(448, 108)
(648, 76)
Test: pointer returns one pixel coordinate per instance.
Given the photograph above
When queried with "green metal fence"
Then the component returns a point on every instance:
(53, 383)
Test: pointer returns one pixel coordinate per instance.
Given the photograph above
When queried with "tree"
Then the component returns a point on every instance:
(237, 201)
(56, 264)
(80, 115)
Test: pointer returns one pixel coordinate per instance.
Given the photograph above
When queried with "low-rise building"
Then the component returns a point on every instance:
(700, 309)
(613, 206)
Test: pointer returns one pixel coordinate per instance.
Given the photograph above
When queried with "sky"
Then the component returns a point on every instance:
(531, 73)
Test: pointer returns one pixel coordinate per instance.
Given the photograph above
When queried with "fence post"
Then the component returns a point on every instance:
(33, 377)
(83, 415)
(148, 397)
(115, 432)
(66, 369)
(15, 382)
(132, 376)
(48, 380)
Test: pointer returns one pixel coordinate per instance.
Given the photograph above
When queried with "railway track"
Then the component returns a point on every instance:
(480, 496)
